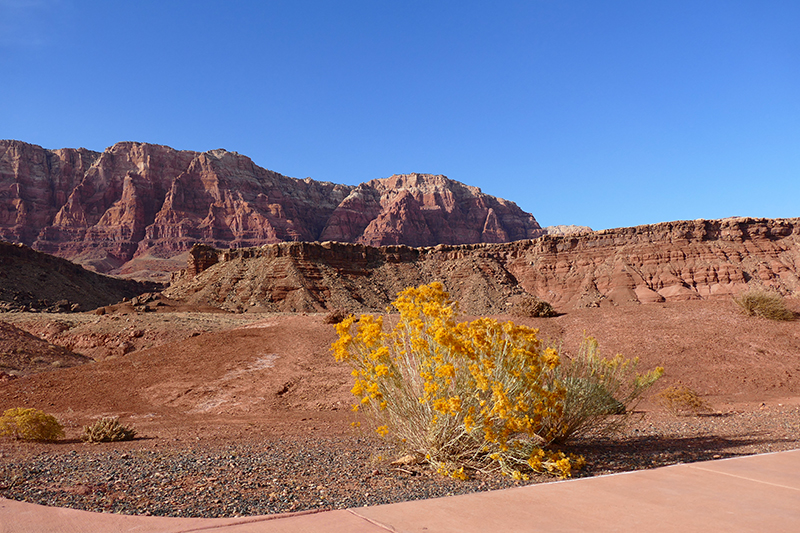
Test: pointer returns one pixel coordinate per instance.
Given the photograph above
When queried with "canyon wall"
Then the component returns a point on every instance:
(135, 206)
(645, 264)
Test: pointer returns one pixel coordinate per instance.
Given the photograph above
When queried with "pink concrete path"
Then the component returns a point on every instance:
(758, 493)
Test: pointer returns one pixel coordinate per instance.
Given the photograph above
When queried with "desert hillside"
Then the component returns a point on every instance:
(34, 281)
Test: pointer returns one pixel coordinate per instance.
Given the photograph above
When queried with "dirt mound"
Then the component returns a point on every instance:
(34, 281)
(22, 353)
(276, 369)
(124, 328)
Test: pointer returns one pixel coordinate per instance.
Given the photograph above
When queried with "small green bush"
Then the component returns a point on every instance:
(600, 393)
(30, 424)
(107, 429)
(764, 303)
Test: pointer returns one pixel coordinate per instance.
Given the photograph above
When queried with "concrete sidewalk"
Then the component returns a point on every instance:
(758, 493)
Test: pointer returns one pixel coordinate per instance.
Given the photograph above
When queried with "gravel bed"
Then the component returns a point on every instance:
(294, 474)
(240, 479)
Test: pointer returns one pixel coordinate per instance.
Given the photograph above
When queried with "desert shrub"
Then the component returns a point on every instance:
(680, 400)
(764, 303)
(30, 424)
(599, 393)
(533, 307)
(107, 429)
(335, 316)
(479, 395)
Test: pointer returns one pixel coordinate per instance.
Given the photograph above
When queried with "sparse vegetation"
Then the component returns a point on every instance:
(680, 400)
(533, 307)
(764, 303)
(600, 393)
(107, 429)
(482, 395)
(30, 424)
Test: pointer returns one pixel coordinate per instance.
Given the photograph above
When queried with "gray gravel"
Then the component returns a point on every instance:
(293, 474)
(242, 479)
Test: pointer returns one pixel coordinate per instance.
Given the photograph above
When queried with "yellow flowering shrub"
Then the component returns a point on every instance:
(481, 395)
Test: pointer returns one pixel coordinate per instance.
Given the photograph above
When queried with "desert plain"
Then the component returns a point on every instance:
(248, 413)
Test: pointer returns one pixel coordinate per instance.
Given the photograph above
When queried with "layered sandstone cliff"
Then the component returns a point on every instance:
(142, 204)
(645, 264)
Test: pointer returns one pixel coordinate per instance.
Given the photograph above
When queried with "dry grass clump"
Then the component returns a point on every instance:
(30, 424)
(764, 303)
(533, 307)
(483, 395)
(107, 429)
(680, 400)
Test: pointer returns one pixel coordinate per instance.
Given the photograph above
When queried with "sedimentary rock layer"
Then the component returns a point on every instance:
(645, 264)
(149, 203)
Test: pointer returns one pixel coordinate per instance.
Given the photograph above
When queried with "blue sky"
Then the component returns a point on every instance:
(599, 113)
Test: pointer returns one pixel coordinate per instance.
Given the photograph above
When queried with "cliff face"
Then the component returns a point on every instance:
(137, 200)
(646, 264)
(425, 210)
(663, 262)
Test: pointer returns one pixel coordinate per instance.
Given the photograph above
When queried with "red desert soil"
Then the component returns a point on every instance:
(256, 418)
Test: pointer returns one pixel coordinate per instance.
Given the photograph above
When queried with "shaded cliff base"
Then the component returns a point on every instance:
(35, 281)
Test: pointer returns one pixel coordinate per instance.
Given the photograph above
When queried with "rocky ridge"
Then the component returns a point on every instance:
(134, 207)
(671, 261)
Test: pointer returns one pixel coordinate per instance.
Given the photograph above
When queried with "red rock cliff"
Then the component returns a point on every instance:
(645, 264)
(141, 200)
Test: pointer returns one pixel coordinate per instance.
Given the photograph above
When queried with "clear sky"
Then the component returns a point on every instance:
(602, 113)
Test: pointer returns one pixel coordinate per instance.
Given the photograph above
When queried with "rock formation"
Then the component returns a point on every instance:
(566, 230)
(143, 204)
(645, 264)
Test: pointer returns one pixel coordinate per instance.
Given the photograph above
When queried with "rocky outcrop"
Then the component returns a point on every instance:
(663, 262)
(425, 210)
(646, 264)
(137, 205)
(34, 281)
(566, 230)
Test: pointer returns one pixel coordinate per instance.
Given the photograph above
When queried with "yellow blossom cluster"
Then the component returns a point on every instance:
(474, 393)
